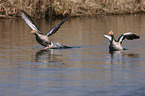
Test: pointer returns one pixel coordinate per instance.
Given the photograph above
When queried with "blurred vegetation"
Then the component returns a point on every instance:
(50, 8)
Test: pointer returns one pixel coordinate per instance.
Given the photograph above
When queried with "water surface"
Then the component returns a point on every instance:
(88, 69)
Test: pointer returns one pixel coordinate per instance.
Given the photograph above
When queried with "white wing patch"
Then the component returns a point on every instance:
(127, 33)
(108, 37)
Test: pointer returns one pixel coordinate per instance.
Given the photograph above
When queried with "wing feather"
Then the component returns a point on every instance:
(29, 21)
(108, 37)
(54, 29)
(128, 36)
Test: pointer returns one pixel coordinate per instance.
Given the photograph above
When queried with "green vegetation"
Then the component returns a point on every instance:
(43, 8)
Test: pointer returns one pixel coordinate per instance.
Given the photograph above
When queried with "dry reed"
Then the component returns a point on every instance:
(49, 8)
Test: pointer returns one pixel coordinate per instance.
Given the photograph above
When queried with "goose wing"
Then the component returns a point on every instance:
(29, 21)
(128, 36)
(108, 37)
(54, 29)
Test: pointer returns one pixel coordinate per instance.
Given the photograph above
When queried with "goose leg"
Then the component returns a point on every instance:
(47, 47)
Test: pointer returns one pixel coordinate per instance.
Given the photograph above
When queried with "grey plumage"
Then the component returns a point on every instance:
(116, 45)
(41, 38)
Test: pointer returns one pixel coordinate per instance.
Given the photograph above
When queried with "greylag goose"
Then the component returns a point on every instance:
(116, 45)
(41, 38)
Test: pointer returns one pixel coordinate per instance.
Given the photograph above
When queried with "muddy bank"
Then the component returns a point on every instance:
(53, 8)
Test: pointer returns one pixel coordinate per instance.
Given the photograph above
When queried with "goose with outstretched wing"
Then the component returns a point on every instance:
(116, 45)
(41, 38)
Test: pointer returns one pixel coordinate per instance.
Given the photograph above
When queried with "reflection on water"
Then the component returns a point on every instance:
(40, 53)
(47, 56)
(120, 54)
(121, 58)
(80, 71)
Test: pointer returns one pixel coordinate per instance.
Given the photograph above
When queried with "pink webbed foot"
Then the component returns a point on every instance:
(47, 47)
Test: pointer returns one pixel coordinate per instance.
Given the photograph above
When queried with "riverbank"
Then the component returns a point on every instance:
(54, 8)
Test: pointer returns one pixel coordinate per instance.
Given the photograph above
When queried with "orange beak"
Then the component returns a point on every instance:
(32, 31)
(110, 32)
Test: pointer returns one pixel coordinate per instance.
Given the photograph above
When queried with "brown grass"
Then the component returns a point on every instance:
(94, 7)
(49, 8)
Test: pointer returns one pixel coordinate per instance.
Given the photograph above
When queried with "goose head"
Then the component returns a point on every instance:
(110, 33)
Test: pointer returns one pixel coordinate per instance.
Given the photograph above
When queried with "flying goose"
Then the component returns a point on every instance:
(116, 45)
(41, 38)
